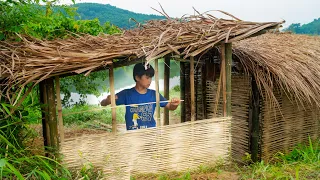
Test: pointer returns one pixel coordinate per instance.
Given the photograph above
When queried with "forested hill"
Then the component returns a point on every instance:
(312, 28)
(112, 14)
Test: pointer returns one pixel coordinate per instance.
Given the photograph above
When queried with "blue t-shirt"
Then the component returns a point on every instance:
(139, 116)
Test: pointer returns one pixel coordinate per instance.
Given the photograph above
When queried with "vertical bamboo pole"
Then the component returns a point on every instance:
(255, 124)
(182, 92)
(45, 117)
(166, 83)
(228, 77)
(156, 65)
(223, 77)
(59, 107)
(193, 109)
(53, 124)
(113, 99)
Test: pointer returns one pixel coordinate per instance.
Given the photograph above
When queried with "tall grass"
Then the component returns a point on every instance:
(303, 162)
(16, 160)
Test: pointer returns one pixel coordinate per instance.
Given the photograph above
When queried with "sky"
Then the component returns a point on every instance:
(292, 11)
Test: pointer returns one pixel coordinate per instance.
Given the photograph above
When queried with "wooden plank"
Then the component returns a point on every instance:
(255, 125)
(59, 108)
(228, 77)
(166, 82)
(192, 89)
(156, 65)
(223, 77)
(113, 99)
(182, 92)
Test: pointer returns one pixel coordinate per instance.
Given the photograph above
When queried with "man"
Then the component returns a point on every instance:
(141, 116)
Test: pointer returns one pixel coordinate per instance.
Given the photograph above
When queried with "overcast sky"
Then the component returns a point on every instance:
(292, 11)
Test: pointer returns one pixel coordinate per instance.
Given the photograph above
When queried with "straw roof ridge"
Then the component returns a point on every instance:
(34, 60)
(288, 61)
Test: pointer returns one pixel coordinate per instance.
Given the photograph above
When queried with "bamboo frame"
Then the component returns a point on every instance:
(166, 82)
(223, 78)
(59, 108)
(156, 65)
(182, 92)
(113, 99)
(192, 89)
(228, 50)
(255, 121)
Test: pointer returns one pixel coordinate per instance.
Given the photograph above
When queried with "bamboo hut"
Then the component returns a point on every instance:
(269, 84)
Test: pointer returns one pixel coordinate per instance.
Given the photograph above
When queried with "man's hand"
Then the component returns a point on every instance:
(175, 101)
(173, 104)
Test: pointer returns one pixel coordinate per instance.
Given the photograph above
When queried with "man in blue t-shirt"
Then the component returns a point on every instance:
(141, 116)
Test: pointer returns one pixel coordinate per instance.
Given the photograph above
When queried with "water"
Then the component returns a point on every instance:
(124, 79)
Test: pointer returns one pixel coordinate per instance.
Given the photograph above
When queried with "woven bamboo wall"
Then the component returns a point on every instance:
(282, 130)
(240, 112)
(163, 149)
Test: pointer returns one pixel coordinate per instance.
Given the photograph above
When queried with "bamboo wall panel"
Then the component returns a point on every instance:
(282, 130)
(240, 112)
(168, 148)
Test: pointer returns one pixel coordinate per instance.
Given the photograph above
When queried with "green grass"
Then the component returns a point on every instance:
(87, 116)
(303, 162)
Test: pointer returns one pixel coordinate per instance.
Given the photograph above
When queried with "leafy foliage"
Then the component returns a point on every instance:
(112, 14)
(312, 28)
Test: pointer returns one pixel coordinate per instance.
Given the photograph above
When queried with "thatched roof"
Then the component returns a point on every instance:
(292, 60)
(288, 61)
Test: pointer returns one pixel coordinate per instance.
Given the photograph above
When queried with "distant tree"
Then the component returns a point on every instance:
(312, 28)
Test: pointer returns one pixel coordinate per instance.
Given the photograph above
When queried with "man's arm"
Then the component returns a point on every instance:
(173, 104)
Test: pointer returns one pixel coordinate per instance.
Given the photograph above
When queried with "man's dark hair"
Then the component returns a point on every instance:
(139, 70)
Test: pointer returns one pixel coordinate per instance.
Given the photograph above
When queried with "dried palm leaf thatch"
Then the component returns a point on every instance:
(35, 60)
(287, 61)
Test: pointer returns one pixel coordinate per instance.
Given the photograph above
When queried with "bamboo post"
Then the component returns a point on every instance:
(53, 124)
(45, 117)
(156, 65)
(59, 107)
(182, 92)
(113, 99)
(193, 109)
(223, 77)
(166, 83)
(228, 49)
(255, 124)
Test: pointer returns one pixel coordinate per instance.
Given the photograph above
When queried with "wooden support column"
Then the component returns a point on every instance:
(59, 108)
(182, 92)
(223, 77)
(226, 63)
(53, 123)
(156, 65)
(192, 89)
(255, 121)
(228, 76)
(45, 117)
(166, 83)
(113, 99)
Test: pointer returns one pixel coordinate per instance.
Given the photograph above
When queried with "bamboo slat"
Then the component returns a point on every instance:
(168, 148)
(287, 125)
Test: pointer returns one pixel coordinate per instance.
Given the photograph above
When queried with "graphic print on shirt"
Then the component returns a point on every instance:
(135, 120)
(142, 113)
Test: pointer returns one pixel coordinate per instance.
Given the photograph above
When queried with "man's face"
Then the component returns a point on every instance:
(144, 81)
